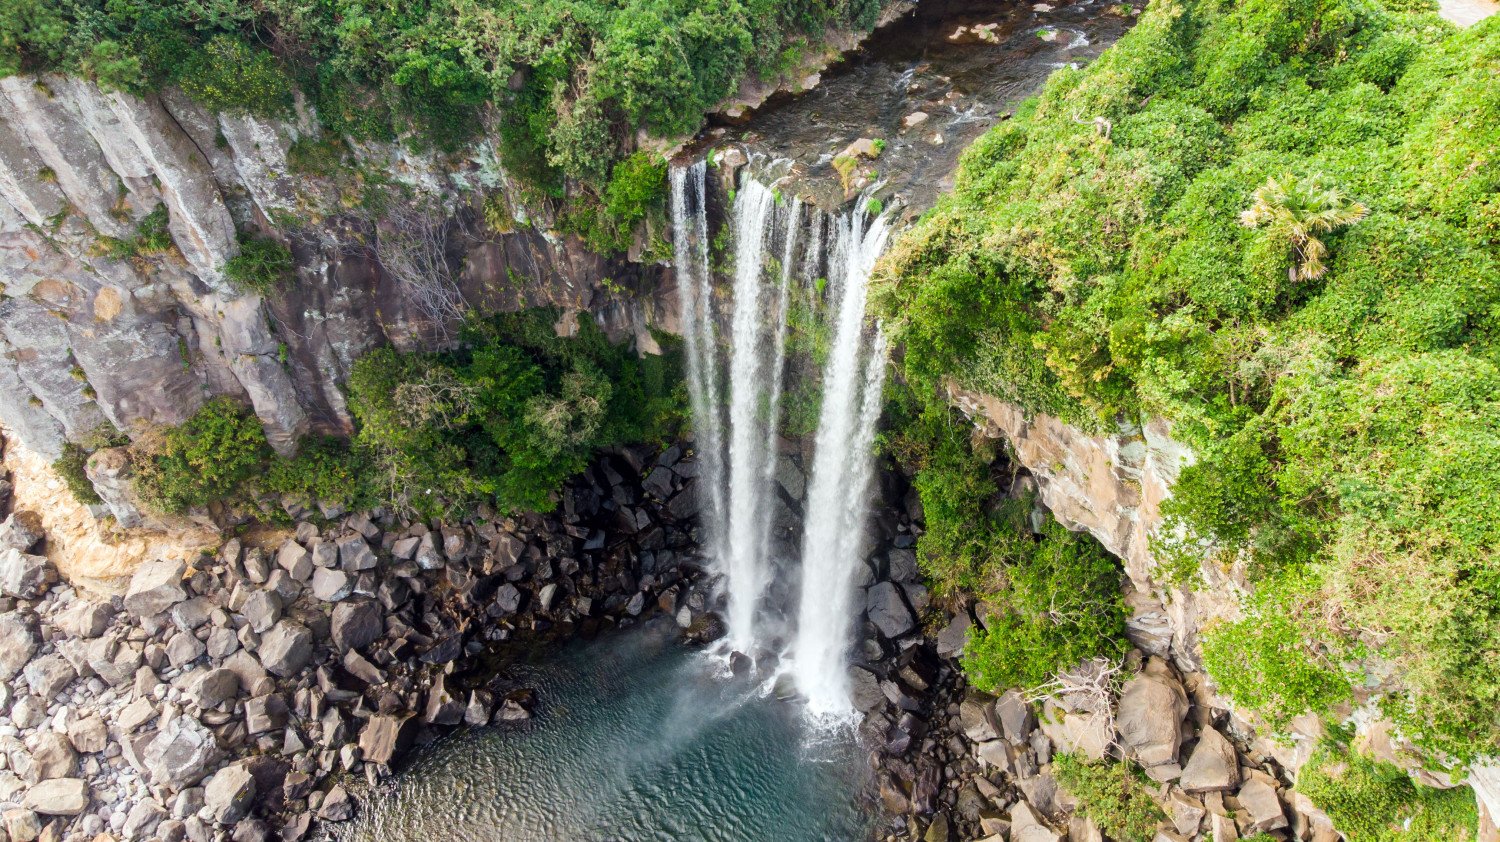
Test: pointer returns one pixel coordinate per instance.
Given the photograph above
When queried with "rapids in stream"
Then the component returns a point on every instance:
(637, 739)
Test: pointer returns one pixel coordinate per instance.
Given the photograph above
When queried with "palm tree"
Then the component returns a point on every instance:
(1299, 208)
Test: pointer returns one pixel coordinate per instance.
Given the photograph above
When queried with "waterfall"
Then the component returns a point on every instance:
(745, 564)
(833, 532)
(736, 389)
(695, 289)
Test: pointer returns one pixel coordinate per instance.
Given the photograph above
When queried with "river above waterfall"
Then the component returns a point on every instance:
(636, 739)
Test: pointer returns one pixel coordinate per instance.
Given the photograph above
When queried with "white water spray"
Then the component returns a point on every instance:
(832, 544)
(695, 288)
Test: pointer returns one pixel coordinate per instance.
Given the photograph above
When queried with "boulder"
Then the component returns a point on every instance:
(331, 585)
(1150, 718)
(888, 610)
(24, 576)
(52, 756)
(22, 824)
(355, 554)
(88, 734)
(337, 806)
(265, 713)
(18, 643)
(155, 587)
(1263, 805)
(1015, 717)
(286, 648)
(427, 555)
(229, 794)
(21, 532)
(953, 637)
(183, 648)
(58, 797)
(261, 609)
(1213, 766)
(976, 716)
(214, 687)
(865, 690)
(48, 675)
(356, 624)
(901, 566)
(181, 753)
(507, 599)
(295, 560)
(386, 736)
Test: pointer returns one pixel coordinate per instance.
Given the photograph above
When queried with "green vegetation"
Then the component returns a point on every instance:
(1056, 596)
(572, 81)
(1373, 801)
(151, 237)
(507, 417)
(203, 460)
(326, 470)
(504, 419)
(262, 265)
(1274, 223)
(1115, 794)
(72, 465)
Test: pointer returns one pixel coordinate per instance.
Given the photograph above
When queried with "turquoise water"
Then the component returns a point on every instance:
(635, 740)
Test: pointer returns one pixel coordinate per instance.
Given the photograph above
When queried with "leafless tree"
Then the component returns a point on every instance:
(412, 246)
(1087, 689)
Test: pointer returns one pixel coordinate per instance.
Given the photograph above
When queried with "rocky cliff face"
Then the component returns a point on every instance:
(88, 336)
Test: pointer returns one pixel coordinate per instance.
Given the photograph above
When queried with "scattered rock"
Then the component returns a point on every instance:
(24, 576)
(58, 797)
(1213, 765)
(155, 587)
(888, 610)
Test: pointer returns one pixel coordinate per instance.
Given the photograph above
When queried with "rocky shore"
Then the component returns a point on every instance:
(955, 763)
(234, 696)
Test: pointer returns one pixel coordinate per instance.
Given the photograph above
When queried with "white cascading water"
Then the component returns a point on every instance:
(695, 289)
(745, 562)
(833, 530)
(738, 424)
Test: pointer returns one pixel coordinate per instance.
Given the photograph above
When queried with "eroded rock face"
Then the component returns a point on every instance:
(88, 339)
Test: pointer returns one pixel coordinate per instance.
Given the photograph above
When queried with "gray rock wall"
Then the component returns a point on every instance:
(87, 338)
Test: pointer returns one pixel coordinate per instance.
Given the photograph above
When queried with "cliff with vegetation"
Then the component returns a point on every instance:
(1266, 234)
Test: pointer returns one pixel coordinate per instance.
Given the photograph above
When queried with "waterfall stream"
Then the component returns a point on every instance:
(740, 465)
(832, 546)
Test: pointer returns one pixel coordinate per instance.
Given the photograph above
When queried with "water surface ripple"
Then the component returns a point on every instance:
(635, 740)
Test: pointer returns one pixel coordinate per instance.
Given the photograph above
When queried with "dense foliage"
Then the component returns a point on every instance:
(1115, 794)
(204, 459)
(574, 79)
(506, 418)
(1275, 223)
(1055, 596)
(1373, 801)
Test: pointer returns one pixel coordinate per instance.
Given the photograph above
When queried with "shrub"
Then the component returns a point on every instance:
(508, 417)
(1062, 607)
(1114, 794)
(203, 460)
(227, 74)
(1266, 660)
(325, 469)
(70, 466)
(1373, 801)
(262, 265)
